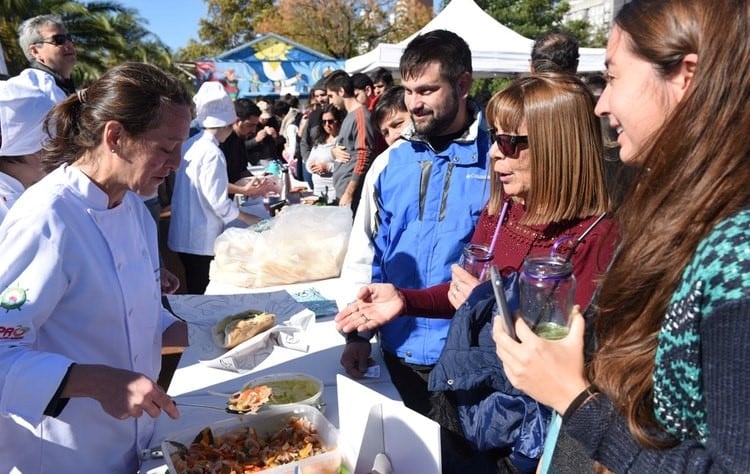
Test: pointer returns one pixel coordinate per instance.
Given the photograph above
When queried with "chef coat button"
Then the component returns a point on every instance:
(135, 358)
(130, 312)
(449, 382)
(408, 354)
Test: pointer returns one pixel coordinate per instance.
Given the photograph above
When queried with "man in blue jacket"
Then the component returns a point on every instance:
(421, 200)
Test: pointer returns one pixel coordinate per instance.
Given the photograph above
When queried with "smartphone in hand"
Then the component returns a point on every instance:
(502, 303)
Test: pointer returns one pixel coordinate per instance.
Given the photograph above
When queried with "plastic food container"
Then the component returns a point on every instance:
(267, 423)
(291, 388)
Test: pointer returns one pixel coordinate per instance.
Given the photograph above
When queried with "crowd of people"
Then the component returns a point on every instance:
(650, 375)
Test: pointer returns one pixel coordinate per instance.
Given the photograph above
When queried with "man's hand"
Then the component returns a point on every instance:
(356, 358)
(169, 281)
(340, 154)
(257, 186)
(345, 200)
(376, 305)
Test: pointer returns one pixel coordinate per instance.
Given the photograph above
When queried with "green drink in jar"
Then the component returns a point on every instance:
(547, 287)
(552, 331)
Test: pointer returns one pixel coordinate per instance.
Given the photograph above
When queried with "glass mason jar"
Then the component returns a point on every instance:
(547, 287)
(476, 260)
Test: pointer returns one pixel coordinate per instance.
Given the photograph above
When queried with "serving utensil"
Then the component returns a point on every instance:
(197, 405)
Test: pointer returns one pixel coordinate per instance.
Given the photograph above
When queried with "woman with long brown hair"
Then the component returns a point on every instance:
(665, 389)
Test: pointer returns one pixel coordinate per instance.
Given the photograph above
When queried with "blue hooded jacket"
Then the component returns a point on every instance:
(428, 205)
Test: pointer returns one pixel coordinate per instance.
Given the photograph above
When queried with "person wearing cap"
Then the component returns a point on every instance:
(82, 321)
(201, 207)
(49, 48)
(23, 108)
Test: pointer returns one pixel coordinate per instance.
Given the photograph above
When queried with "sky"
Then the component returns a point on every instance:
(173, 21)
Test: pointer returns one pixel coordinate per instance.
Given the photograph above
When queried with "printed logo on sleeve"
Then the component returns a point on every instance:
(12, 298)
(8, 332)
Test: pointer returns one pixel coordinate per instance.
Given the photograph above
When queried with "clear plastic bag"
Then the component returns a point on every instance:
(303, 243)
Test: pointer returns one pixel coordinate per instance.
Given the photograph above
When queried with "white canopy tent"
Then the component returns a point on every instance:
(495, 49)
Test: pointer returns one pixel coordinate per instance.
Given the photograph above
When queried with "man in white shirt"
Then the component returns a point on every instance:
(50, 50)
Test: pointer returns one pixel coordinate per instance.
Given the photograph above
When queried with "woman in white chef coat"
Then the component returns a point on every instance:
(81, 321)
(24, 102)
(201, 207)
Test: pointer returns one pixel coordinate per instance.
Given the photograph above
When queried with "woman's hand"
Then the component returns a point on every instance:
(462, 284)
(550, 372)
(121, 393)
(376, 304)
(319, 168)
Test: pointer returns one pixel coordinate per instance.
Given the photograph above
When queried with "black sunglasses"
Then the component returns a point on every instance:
(329, 122)
(509, 144)
(58, 39)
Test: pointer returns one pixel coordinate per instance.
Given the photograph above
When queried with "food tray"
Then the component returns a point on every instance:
(269, 422)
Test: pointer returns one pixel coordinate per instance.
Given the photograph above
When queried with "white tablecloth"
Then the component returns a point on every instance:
(193, 381)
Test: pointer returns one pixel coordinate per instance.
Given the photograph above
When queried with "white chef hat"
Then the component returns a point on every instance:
(213, 106)
(24, 102)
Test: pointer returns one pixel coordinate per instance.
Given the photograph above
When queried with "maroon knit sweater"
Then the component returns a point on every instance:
(515, 242)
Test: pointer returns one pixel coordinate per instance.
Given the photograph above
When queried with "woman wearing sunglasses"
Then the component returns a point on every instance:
(320, 162)
(666, 387)
(547, 162)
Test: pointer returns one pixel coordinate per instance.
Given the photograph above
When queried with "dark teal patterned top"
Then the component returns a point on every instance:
(702, 371)
(718, 273)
